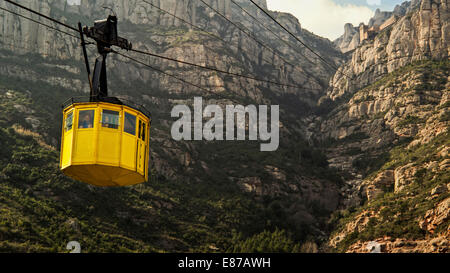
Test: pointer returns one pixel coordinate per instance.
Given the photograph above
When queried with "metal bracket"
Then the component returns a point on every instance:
(104, 32)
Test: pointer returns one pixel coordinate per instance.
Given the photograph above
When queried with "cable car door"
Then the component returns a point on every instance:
(141, 147)
(67, 143)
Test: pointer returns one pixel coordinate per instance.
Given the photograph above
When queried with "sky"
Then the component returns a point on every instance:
(328, 17)
(73, 2)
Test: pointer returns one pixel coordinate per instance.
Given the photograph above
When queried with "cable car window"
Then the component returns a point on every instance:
(140, 129)
(130, 124)
(143, 131)
(69, 122)
(110, 119)
(86, 119)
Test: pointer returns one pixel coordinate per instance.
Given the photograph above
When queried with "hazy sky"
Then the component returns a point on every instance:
(328, 17)
(71, 2)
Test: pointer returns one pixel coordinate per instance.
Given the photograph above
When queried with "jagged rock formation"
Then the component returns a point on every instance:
(388, 133)
(380, 17)
(391, 101)
(351, 38)
(27, 36)
(416, 36)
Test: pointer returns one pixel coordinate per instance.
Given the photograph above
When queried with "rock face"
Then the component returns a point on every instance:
(377, 114)
(439, 244)
(359, 223)
(25, 36)
(139, 12)
(380, 17)
(421, 35)
(436, 217)
(379, 184)
(404, 176)
(398, 102)
(388, 133)
(350, 40)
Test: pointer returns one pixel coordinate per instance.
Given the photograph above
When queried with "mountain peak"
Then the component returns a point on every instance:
(380, 17)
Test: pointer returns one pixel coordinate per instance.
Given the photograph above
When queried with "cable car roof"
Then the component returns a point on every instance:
(121, 101)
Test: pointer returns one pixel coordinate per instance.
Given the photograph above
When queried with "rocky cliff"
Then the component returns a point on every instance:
(350, 40)
(418, 35)
(380, 17)
(388, 133)
(25, 36)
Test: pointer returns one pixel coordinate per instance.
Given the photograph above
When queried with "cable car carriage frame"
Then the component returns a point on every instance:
(104, 140)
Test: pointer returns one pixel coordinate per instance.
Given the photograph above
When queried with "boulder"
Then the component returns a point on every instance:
(404, 176)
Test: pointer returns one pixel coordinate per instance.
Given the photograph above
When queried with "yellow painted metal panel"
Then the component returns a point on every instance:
(147, 153)
(109, 146)
(67, 139)
(141, 157)
(67, 149)
(109, 135)
(141, 149)
(128, 156)
(84, 147)
(105, 176)
(84, 140)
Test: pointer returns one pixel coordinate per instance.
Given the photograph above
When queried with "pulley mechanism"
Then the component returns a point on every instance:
(104, 32)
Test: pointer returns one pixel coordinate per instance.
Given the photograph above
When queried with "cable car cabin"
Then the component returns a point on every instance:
(105, 144)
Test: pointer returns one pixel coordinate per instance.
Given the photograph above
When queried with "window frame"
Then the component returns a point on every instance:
(92, 122)
(118, 119)
(140, 129)
(71, 114)
(144, 128)
(135, 123)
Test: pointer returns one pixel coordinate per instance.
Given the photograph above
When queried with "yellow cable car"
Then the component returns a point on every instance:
(105, 144)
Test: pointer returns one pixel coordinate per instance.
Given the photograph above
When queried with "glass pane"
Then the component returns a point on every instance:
(143, 131)
(140, 128)
(130, 124)
(69, 122)
(110, 119)
(86, 119)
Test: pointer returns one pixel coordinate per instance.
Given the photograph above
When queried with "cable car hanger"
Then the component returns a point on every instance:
(104, 32)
